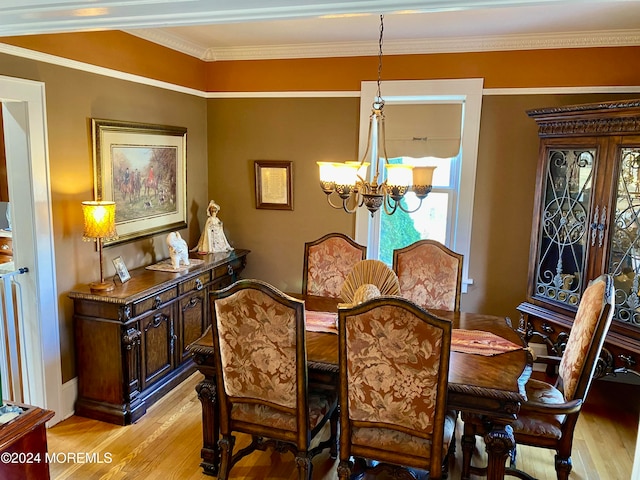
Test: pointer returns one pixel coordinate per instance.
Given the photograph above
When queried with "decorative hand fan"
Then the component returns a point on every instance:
(372, 273)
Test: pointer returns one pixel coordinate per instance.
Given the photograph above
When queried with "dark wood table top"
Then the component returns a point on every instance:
(475, 381)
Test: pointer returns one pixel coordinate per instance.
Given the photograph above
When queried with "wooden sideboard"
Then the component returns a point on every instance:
(131, 342)
(23, 445)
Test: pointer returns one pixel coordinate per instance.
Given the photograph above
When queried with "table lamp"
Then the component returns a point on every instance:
(99, 225)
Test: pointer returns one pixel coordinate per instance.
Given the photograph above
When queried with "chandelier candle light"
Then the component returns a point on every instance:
(99, 225)
(348, 179)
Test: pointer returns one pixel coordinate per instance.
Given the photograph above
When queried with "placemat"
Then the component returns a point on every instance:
(480, 342)
(165, 265)
(321, 321)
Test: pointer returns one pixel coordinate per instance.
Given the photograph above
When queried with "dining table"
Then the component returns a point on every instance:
(489, 367)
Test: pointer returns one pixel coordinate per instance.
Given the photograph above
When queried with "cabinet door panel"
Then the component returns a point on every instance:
(624, 250)
(157, 345)
(565, 232)
(193, 322)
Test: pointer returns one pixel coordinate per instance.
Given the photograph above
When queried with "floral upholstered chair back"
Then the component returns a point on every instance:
(261, 377)
(257, 334)
(394, 362)
(586, 338)
(327, 262)
(430, 274)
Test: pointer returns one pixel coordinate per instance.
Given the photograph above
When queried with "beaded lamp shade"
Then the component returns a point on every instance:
(99, 220)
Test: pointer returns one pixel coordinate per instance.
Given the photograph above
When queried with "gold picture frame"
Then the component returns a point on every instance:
(142, 168)
(274, 184)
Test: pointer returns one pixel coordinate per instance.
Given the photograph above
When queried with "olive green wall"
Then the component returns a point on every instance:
(72, 99)
(302, 130)
(308, 130)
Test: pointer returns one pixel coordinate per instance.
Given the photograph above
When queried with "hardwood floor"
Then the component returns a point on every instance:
(165, 444)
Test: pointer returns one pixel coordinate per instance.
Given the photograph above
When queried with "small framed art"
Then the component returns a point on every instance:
(121, 269)
(274, 184)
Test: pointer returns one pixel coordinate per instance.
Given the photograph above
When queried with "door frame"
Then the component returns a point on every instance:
(25, 129)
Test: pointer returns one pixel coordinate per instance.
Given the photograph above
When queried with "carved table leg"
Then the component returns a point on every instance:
(500, 442)
(210, 452)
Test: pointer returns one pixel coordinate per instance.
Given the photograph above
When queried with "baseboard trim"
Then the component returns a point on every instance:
(69, 396)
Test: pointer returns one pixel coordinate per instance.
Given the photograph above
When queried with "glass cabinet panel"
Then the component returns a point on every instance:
(624, 253)
(564, 225)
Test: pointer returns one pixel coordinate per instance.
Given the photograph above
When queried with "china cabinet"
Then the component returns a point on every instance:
(131, 342)
(586, 222)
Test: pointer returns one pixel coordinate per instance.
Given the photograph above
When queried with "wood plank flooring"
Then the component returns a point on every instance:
(165, 444)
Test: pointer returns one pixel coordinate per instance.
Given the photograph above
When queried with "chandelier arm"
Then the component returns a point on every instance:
(410, 211)
(337, 207)
(345, 202)
(387, 205)
(355, 195)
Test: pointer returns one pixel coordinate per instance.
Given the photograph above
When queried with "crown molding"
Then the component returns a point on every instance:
(613, 38)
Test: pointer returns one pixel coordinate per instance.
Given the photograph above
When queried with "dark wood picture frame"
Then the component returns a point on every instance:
(274, 184)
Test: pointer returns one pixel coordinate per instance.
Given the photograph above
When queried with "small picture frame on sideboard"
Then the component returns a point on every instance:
(121, 269)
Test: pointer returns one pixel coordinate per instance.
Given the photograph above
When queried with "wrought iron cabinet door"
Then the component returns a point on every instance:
(586, 222)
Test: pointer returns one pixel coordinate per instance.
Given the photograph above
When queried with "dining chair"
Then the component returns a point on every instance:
(261, 376)
(549, 416)
(393, 361)
(327, 262)
(430, 274)
(367, 279)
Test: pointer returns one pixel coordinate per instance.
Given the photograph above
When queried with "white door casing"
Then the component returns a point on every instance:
(23, 107)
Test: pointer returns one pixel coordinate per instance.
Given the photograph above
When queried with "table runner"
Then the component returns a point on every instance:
(480, 342)
(476, 342)
(321, 321)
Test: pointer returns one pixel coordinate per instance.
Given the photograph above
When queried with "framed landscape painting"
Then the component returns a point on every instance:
(142, 168)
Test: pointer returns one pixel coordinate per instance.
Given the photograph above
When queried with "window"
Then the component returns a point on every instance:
(446, 213)
(433, 219)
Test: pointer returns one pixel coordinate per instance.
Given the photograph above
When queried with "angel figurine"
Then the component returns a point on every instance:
(212, 239)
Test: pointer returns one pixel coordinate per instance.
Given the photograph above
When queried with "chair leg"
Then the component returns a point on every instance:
(226, 449)
(305, 467)
(563, 467)
(468, 443)
(334, 434)
(344, 469)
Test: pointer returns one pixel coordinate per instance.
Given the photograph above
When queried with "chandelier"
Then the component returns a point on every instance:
(348, 180)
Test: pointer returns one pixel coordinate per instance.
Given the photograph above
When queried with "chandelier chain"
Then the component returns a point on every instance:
(379, 95)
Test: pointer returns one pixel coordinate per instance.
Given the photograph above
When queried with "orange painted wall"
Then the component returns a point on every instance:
(117, 50)
(510, 69)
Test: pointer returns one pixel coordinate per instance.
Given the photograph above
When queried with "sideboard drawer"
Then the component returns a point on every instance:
(154, 301)
(195, 283)
(230, 269)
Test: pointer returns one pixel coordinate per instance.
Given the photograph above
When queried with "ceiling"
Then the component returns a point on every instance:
(215, 30)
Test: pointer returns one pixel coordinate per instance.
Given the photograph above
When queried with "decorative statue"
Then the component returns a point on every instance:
(212, 239)
(178, 250)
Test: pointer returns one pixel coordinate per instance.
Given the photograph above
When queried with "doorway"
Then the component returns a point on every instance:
(25, 135)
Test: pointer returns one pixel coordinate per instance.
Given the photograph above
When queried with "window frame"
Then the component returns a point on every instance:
(468, 92)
